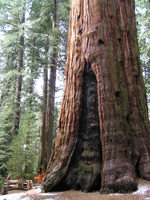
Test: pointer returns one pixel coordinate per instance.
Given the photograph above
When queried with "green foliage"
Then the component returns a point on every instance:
(10, 26)
(6, 124)
(30, 129)
(15, 162)
(24, 159)
(63, 21)
(1, 182)
(11, 148)
(19, 154)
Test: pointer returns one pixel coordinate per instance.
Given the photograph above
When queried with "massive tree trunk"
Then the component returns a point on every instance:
(103, 129)
(51, 92)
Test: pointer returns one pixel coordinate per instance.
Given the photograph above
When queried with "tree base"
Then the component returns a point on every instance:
(122, 185)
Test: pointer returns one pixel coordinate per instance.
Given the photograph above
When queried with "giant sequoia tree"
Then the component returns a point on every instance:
(103, 129)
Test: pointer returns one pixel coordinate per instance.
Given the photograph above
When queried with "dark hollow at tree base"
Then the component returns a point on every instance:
(84, 171)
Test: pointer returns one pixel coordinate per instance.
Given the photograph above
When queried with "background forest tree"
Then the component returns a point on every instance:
(21, 98)
(143, 25)
(26, 30)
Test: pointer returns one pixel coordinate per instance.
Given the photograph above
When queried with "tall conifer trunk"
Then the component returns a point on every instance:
(27, 167)
(51, 92)
(19, 70)
(103, 130)
(42, 159)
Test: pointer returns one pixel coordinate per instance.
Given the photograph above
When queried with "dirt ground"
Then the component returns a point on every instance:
(143, 193)
(74, 195)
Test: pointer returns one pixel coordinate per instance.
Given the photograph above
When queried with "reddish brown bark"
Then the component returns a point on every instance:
(102, 35)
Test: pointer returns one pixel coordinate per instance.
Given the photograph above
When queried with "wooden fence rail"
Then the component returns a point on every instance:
(19, 184)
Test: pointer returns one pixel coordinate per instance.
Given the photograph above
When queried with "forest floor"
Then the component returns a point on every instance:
(143, 193)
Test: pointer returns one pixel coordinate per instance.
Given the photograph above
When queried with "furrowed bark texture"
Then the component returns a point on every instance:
(103, 44)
